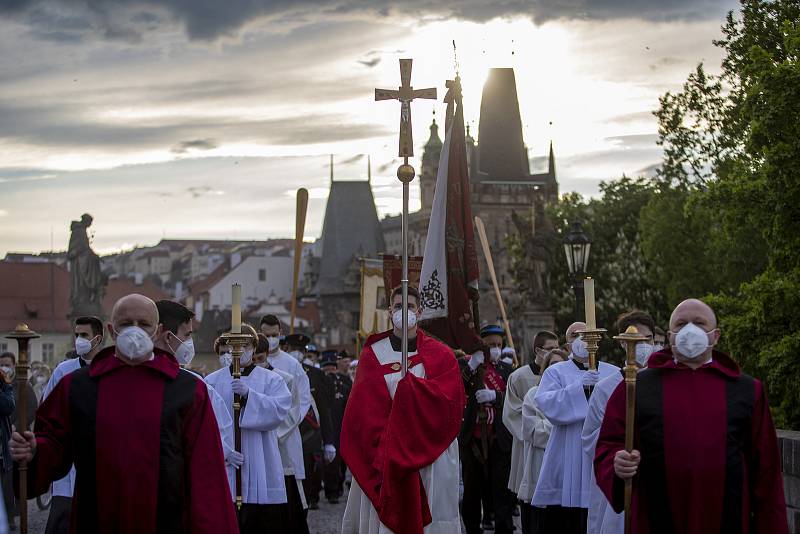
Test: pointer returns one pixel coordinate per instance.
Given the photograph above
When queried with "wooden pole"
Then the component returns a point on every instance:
(236, 353)
(630, 337)
(300, 226)
(23, 335)
(487, 253)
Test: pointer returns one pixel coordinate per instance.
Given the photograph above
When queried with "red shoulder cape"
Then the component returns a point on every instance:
(386, 442)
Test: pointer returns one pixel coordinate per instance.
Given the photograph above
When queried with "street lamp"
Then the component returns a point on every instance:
(576, 247)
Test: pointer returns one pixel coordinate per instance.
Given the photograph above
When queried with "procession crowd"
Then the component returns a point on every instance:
(133, 440)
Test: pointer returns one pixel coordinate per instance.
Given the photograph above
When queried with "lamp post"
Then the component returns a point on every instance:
(576, 247)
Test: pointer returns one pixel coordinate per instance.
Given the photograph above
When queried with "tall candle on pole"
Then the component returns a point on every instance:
(588, 292)
(237, 341)
(405, 173)
(236, 308)
(592, 335)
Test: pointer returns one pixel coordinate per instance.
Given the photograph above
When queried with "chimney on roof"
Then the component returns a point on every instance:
(501, 151)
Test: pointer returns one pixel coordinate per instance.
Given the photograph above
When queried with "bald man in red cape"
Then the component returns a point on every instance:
(705, 458)
(141, 433)
(399, 434)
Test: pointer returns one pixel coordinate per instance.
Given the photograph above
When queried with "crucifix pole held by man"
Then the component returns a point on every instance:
(405, 172)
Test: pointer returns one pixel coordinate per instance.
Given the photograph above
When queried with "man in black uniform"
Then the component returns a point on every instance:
(316, 429)
(341, 385)
(484, 441)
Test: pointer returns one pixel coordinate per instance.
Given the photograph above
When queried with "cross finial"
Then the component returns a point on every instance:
(405, 94)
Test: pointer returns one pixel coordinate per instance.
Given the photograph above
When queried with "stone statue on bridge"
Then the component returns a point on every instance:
(87, 281)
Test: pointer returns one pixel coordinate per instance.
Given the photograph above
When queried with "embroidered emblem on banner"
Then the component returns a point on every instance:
(432, 297)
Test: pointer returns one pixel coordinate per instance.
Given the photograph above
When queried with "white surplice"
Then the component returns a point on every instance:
(65, 486)
(267, 405)
(223, 417)
(440, 479)
(602, 518)
(518, 385)
(564, 478)
(289, 429)
(535, 434)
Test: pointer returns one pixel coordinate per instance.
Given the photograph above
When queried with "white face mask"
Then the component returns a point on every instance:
(397, 319)
(658, 347)
(83, 346)
(134, 343)
(185, 351)
(41, 379)
(225, 359)
(691, 341)
(495, 353)
(247, 357)
(273, 342)
(8, 371)
(643, 352)
(297, 355)
(579, 348)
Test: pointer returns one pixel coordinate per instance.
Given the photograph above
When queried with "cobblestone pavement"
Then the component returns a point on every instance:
(326, 520)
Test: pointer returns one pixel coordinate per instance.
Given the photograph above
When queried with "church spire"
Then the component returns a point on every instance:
(331, 165)
(369, 169)
(434, 141)
(551, 162)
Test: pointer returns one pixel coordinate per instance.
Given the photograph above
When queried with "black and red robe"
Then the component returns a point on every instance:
(145, 445)
(710, 459)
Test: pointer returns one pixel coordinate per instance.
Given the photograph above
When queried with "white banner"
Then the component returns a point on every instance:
(433, 279)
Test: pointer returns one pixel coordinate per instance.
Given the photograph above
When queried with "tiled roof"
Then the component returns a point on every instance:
(204, 284)
(36, 294)
(119, 287)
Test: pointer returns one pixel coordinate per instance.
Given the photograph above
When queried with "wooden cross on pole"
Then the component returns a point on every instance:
(405, 94)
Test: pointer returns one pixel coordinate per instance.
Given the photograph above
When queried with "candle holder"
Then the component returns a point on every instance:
(23, 335)
(237, 342)
(630, 337)
(592, 338)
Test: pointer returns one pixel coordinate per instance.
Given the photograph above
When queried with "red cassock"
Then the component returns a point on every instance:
(386, 442)
(146, 448)
(710, 459)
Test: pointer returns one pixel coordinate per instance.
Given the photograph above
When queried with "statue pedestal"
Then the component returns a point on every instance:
(535, 318)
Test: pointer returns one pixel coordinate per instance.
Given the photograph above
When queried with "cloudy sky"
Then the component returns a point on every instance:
(200, 118)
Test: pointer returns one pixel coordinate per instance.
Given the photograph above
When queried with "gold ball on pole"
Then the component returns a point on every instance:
(405, 173)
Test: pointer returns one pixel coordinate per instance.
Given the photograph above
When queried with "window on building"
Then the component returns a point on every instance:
(3, 347)
(262, 275)
(48, 353)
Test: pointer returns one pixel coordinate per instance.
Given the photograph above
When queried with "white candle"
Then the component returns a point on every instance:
(236, 308)
(588, 292)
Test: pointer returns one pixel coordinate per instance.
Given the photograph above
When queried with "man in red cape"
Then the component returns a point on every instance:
(705, 458)
(141, 433)
(399, 434)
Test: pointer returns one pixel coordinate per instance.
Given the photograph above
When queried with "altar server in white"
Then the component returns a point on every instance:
(563, 397)
(265, 404)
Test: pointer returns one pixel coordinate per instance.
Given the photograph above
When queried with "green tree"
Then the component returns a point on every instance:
(724, 222)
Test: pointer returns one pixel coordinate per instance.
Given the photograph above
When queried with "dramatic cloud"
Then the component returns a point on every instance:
(60, 126)
(211, 114)
(210, 19)
(196, 144)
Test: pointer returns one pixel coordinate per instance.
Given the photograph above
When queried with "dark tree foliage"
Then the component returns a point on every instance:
(721, 220)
